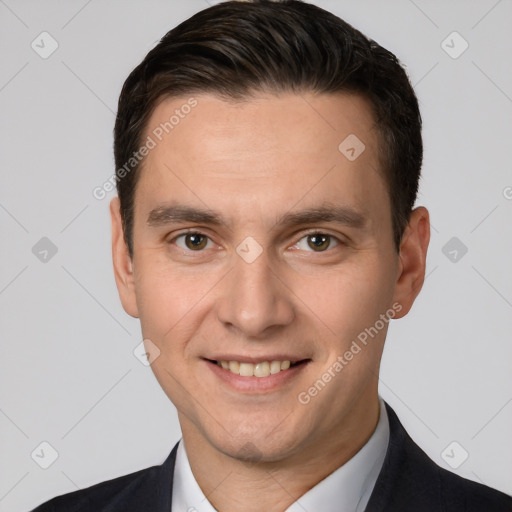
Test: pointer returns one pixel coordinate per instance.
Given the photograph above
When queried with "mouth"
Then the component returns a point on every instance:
(260, 369)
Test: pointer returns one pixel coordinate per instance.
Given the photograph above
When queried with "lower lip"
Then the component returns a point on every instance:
(256, 384)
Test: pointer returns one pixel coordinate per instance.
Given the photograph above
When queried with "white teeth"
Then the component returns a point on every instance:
(234, 367)
(246, 369)
(262, 369)
(275, 367)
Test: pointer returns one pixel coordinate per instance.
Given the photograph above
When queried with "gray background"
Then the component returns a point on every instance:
(68, 374)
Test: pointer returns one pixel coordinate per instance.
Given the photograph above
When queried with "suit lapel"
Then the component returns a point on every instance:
(408, 479)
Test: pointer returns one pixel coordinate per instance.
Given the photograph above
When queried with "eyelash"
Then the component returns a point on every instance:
(309, 234)
(173, 240)
(322, 233)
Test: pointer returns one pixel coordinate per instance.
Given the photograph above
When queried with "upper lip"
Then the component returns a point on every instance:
(256, 360)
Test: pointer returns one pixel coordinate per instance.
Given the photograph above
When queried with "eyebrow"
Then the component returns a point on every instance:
(326, 212)
(163, 215)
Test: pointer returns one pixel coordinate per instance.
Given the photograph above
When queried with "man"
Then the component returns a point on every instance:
(268, 157)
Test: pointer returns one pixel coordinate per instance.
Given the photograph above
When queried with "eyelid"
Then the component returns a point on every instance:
(317, 231)
(320, 231)
(308, 232)
(188, 231)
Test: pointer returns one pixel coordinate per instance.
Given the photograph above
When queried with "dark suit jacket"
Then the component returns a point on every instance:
(408, 482)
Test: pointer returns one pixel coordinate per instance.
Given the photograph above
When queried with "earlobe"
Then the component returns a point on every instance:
(413, 255)
(122, 262)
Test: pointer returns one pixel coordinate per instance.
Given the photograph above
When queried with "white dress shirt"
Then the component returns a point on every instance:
(347, 489)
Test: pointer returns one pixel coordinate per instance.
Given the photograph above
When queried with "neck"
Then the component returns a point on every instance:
(233, 485)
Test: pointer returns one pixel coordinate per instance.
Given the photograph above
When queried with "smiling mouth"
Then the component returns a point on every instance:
(261, 369)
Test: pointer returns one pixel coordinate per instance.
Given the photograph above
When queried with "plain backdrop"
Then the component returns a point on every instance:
(68, 375)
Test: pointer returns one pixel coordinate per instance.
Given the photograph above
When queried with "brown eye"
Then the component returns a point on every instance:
(195, 241)
(319, 242)
(192, 241)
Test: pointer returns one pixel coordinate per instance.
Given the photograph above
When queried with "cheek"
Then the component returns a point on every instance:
(347, 300)
(170, 311)
(166, 297)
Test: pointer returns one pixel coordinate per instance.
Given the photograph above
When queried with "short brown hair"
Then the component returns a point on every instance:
(235, 49)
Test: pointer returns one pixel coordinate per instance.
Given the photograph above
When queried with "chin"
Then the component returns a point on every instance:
(257, 443)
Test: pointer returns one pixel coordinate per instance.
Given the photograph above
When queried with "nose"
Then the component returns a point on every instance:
(254, 299)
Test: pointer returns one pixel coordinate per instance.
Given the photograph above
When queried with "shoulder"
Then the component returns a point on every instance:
(451, 491)
(410, 480)
(99, 495)
(150, 487)
(471, 496)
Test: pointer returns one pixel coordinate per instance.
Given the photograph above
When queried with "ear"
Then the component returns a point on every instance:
(413, 255)
(123, 264)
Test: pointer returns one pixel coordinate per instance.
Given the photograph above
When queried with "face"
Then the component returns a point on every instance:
(261, 243)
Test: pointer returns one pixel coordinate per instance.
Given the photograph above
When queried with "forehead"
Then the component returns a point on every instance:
(266, 151)
(295, 123)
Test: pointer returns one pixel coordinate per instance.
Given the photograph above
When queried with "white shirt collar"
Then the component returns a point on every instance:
(348, 488)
